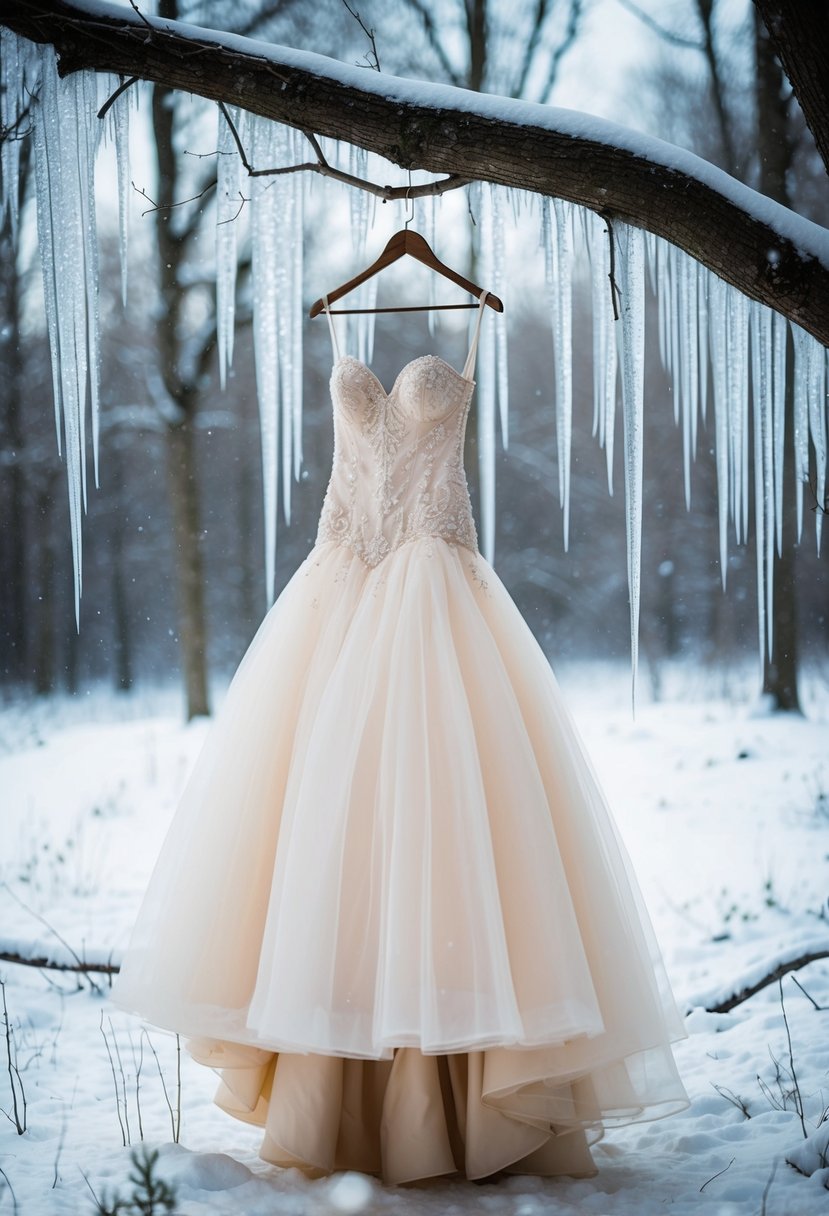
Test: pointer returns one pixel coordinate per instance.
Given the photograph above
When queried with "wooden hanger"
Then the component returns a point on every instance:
(412, 243)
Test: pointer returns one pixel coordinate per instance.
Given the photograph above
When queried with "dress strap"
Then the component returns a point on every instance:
(334, 341)
(469, 366)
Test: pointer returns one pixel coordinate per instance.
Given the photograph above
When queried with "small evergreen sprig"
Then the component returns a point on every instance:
(151, 1196)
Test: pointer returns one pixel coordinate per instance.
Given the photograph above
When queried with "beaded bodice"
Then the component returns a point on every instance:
(398, 471)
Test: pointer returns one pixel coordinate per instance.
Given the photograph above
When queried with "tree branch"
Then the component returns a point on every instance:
(687, 44)
(567, 40)
(435, 42)
(371, 57)
(757, 246)
(387, 193)
(705, 14)
(49, 964)
(777, 973)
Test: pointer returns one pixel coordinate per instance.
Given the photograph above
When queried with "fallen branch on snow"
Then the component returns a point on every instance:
(743, 994)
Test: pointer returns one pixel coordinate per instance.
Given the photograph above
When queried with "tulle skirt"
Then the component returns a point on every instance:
(392, 909)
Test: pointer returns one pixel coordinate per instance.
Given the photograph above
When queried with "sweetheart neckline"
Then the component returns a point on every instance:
(417, 359)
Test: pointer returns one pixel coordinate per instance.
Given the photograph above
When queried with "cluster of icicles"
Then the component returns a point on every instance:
(703, 322)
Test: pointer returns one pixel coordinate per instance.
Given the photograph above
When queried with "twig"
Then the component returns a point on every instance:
(15, 1208)
(808, 996)
(14, 1072)
(81, 965)
(114, 1081)
(615, 294)
(231, 218)
(138, 1067)
(134, 6)
(59, 1149)
(717, 1175)
(178, 1090)
(676, 39)
(733, 1098)
(369, 33)
(798, 1096)
(169, 206)
(11, 129)
(821, 507)
(10, 956)
(766, 1189)
(94, 1196)
(387, 193)
(743, 995)
(176, 1129)
(123, 1080)
(110, 101)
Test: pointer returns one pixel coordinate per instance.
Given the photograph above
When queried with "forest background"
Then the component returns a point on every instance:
(699, 74)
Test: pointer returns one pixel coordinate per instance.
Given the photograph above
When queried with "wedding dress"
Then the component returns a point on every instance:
(392, 910)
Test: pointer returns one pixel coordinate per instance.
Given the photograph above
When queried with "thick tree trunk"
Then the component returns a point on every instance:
(799, 30)
(779, 669)
(121, 629)
(12, 539)
(445, 130)
(182, 481)
(183, 469)
(42, 640)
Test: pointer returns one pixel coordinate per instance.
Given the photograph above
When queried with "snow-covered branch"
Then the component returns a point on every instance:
(768, 252)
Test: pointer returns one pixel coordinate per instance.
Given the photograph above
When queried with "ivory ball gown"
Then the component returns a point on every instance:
(392, 910)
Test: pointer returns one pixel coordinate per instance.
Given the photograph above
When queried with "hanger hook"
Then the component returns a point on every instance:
(409, 199)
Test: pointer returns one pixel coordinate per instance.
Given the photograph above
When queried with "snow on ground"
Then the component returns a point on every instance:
(726, 815)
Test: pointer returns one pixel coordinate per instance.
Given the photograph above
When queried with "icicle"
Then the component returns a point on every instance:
(120, 121)
(761, 377)
(816, 386)
(779, 338)
(703, 287)
(651, 259)
(684, 370)
(265, 219)
(89, 129)
(663, 289)
(486, 383)
(737, 325)
(630, 264)
(64, 163)
(228, 204)
(604, 343)
(759, 419)
(596, 306)
(12, 59)
(498, 281)
(425, 222)
(360, 325)
(295, 253)
(674, 326)
(718, 348)
(558, 269)
(800, 340)
(285, 326)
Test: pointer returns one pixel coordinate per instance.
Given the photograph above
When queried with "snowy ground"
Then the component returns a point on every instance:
(726, 816)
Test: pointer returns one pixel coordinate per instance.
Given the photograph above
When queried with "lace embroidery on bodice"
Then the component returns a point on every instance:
(398, 468)
(398, 471)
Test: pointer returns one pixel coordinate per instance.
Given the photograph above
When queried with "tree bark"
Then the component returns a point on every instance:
(42, 638)
(13, 572)
(121, 629)
(775, 148)
(799, 30)
(182, 480)
(182, 467)
(445, 130)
